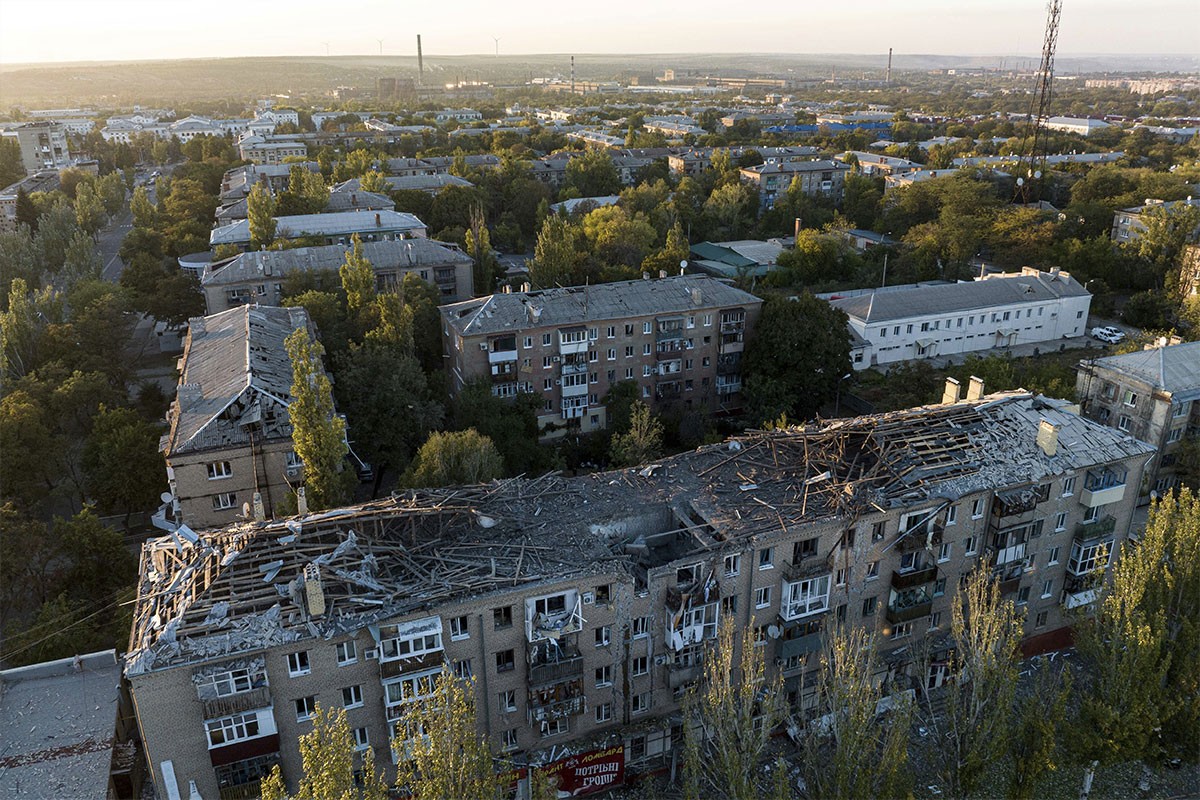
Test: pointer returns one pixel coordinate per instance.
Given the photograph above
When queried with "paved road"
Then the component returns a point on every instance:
(108, 243)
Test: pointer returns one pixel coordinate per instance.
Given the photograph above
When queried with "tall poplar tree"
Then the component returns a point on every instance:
(318, 434)
(728, 719)
(260, 213)
(442, 752)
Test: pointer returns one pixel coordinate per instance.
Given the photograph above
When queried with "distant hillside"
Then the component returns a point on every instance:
(121, 84)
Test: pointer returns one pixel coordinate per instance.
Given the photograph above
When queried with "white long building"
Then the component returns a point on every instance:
(904, 323)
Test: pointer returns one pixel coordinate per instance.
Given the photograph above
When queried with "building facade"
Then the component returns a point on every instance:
(229, 447)
(582, 609)
(257, 277)
(816, 179)
(908, 322)
(43, 146)
(1153, 394)
(680, 339)
(1130, 223)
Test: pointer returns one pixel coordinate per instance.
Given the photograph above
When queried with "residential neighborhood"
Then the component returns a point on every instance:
(447, 418)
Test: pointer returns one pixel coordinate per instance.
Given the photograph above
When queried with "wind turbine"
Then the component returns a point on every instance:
(380, 46)
(326, 48)
(497, 38)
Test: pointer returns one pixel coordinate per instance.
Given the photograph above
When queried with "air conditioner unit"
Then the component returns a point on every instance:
(661, 660)
(371, 655)
(483, 346)
(556, 359)
(588, 598)
(293, 472)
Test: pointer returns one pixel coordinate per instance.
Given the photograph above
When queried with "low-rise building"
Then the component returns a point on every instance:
(335, 228)
(427, 183)
(680, 339)
(458, 115)
(1080, 125)
(816, 179)
(746, 258)
(881, 165)
(256, 150)
(1130, 223)
(926, 320)
(229, 449)
(1153, 394)
(343, 197)
(583, 608)
(237, 182)
(257, 277)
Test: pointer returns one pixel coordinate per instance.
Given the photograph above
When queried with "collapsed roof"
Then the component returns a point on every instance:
(256, 584)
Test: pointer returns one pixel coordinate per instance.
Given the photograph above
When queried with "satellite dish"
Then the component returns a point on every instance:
(166, 497)
(1020, 181)
(1037, 174)
(683, 264)
(773, 631)
(245, 509)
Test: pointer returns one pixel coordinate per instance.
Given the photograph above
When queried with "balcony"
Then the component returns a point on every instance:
(731, 343)
(802, 638)
(907, 579)
(572, 366)
(682, 674)
(1004, 556)
(567, 666)
(733, 326)
(246, 791)
(916, 539)
(572, 341)
(681, 598)
(504, 349)
(237, 703)
(729, 364)
(395, 667)
(1010, 586)
(1102, 487)
(904, 611)
(669, 350)
(808, 567)
(575, 386)
(729, 384)
(504, 371)
(1099, 529)
(668, 390)
(563, 700)
(551, 624)
(669, 330)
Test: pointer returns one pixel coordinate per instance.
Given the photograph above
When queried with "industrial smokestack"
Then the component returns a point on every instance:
(572, 74)
(420, 63)
(888, 77)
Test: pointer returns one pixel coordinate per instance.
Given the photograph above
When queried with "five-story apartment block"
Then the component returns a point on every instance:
(582, 609)
(680, 339)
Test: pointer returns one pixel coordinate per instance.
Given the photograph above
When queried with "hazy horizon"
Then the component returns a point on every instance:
(137, 30)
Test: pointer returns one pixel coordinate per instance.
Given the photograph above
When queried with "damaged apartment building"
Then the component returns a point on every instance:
(229, 447)
(583, 608)
(679, 338)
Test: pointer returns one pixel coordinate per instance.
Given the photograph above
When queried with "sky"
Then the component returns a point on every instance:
(88, 30)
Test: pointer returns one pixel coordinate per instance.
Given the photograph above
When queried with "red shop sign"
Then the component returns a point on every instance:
(587, 773)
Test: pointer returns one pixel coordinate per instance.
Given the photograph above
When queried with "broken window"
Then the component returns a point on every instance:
(502, 617)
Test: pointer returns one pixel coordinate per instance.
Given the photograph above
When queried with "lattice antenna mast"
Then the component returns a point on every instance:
(1033, 155)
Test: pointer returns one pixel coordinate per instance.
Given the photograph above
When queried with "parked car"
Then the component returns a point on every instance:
(1108, 334)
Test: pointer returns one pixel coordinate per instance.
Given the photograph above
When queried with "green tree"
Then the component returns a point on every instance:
(796, 359)
(674, 251)
(81, 259)
(452, 458)
(443, 754)
(728, 719)
(851, 751)
(25, 211)
(616, 239)
(20, 327)
(555, 256)
(145, 215)
(1038, 726)
(260, 211)
(973, 732)
(89, 209)
(385, 396)
(479, 247)
(358, 280)
(56, 228)
(642, 442)
(1143, 644)
(111, 188)
(306, 193)
(99, 564)
(327, 755)
(592, 174)
(123, 468)
(318, 434)
(374, 181)
(11, 167)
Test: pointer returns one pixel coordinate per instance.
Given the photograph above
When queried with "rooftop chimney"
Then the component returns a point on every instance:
(378, 223)
(1047, 437)
(951, 393)
(314, 593)
(975, 389)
